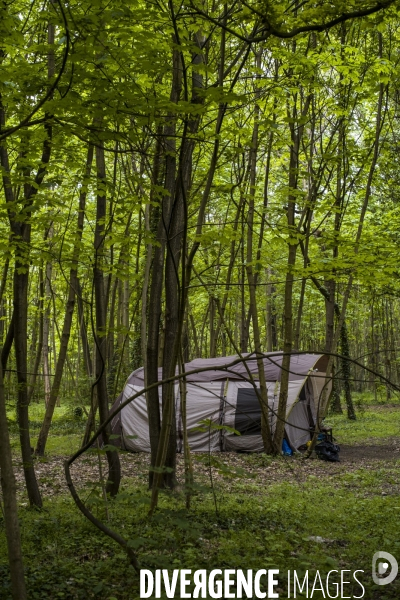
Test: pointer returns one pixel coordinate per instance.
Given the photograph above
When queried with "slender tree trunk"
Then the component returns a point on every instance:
(111, 331)
(272, 342)
(244, 332)
(20, 341)
(46, 325)
(145, 290)
(87, 359)
(38, 356)
(296, 132)
(175, 222)
(186, 448)
(213, 340)
(336, 406)
(8, 342)
(345, 350)
(125, 320)
(20, 226)
(4, 275)
(233, 255)
(153, 405)
(8, 487)
(114, 468)
(265, 427)
(288, 298)
(154, 316)
(197, 349)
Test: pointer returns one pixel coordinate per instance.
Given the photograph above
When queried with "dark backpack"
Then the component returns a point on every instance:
(328, 451)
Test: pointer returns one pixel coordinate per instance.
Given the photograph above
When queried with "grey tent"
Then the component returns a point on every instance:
(226, 396)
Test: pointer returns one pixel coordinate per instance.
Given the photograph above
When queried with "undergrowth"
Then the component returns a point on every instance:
(316, 525)
(332, 520)
(66, 431)
(373, 424)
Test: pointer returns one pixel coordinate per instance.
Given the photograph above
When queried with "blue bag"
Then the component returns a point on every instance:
(286, 449)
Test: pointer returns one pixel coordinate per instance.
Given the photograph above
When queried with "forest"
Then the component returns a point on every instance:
(185, 180)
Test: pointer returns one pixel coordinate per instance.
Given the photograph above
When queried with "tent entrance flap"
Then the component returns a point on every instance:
(248, 412)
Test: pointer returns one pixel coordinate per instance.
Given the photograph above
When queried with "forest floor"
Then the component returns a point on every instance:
(363, 453)
(254, 469)
(371, 442)
(248, 511)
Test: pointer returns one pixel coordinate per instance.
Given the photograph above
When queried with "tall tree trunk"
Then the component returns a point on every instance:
(20, 343)
(8, 342)
(265, 420)
(288, 297)
(114, 468)
(345, 351)
(233, 255)
(213, 336)
(38, 356)
(336, 406)
(163, 233)
(152, 348)
(296, 132)
(46, 323)
(111, 331)
(151, 218)
(175, 219)
(87, 359)
(9, 490)
(272, 342)
(244, 332)
(21, 230)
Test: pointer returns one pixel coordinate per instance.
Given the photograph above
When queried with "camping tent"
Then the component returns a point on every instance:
(226, 396)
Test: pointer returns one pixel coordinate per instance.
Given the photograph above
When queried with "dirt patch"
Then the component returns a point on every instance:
(251, 469)
(384, 452)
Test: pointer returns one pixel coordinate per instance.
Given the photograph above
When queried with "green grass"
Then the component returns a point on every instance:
(66, 557)
(66, 430)
(373, 424)
(58, 445)
(258, 524)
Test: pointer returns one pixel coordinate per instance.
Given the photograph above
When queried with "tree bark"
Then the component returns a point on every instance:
(288, 298)
(46, 325)
(9, 490)
(87, 359)
(20, 342)
(5, 351)
(269, 446)
(21, 231)
(37, 342)
(156, 288)
(114, 468)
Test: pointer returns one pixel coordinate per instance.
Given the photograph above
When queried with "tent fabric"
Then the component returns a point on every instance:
(252, 441)
(228, 398)
(203, 403)
(300, 365)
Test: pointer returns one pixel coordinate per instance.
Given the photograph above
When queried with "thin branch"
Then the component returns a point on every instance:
(27, 121)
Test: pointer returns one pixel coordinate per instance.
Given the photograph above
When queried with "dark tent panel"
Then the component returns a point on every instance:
(248, 412)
